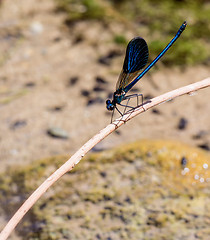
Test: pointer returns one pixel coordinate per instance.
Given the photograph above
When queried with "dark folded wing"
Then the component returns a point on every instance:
(135, 59)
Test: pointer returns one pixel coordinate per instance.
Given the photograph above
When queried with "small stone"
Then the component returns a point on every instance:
(184, 162)
(57, 108)
(18, 124)
(103, 174)
(30, 84)
(57, 39)
(57, 132)
(106, 60)
(204, 146)
(200, 134)
(78, 39)
(98, 89)
(73, 80)
(182, 123)
(100, 80)
(94, 101)
(85, 93)
(155, 111)
(36, 28)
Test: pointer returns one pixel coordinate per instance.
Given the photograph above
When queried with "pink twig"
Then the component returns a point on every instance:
(69, 165)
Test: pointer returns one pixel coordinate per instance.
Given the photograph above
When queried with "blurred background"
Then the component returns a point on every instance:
(60, 61)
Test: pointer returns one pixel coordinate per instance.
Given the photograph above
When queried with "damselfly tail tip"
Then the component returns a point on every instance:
(185, 23)
(182, 28)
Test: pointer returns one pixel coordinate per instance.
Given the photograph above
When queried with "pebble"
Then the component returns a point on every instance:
(155, 111)
(57, 39)
(78, 39)
(94, 101)
(57, 133)
(85, 93)
(18, 124)
(100, 80)
(204, 146)
(57, 108)
(103, 174)
(98, 89)
(182, 123)
(30, 84)
(73, 80)
(200, 134)
(184, 162)
(106, 60)
(36, 28)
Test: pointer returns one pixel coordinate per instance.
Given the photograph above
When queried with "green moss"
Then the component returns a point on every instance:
(160, 18)
(122, 193)
(13, 96)
(188, 52)
(95, 195)
(120, 39)
(82, 9)
(163, 18)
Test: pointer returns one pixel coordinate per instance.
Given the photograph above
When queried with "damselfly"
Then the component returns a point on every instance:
(135, 60)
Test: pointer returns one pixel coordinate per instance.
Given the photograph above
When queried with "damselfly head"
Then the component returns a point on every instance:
(109, 105)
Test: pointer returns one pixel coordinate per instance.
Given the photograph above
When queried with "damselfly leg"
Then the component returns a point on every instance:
(128, 98)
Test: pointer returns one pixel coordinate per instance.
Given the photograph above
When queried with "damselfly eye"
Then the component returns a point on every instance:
(109, 105)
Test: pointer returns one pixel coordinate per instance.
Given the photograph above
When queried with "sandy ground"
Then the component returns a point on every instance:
(39, 58)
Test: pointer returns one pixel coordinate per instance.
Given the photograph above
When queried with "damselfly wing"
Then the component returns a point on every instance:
(135, 59)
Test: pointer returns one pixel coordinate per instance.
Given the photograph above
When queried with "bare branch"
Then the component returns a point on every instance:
(69, 165)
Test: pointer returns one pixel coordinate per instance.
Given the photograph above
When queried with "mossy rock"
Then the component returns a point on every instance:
(139, 191)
